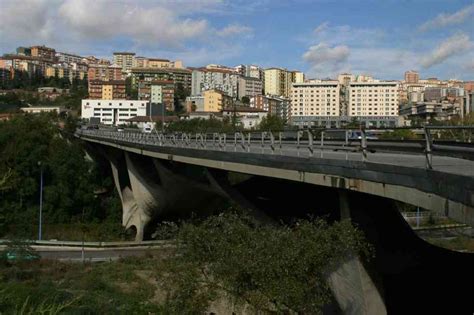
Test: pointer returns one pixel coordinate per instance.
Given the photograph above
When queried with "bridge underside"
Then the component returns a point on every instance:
(407, 274)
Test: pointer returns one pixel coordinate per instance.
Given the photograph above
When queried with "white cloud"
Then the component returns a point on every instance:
(326, 60)
(92, 26)
(235, 29)
(321, 28)
(383, 63)
(343, 35)
(443, 19)
(144, 25)
(322, 53)
(21, 19)
(453, 45)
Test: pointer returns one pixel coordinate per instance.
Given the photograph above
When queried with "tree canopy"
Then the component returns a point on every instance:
(271, 123)
(29, 144)
(271, 268)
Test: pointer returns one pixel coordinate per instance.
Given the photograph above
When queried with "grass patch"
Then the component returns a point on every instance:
(106, 288)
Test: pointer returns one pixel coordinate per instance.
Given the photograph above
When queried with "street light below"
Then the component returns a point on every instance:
(41, 203)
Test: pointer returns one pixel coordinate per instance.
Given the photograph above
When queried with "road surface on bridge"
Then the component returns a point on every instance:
(441, 163)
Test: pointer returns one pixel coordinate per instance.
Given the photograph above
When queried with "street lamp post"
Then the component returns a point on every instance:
(83, 230)
(41, 203)
(162, 117)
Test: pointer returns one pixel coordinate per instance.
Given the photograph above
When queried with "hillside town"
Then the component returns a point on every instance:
(127, 89)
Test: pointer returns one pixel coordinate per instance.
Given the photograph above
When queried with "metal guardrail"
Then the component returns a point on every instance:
(90, 244)
(303, 140)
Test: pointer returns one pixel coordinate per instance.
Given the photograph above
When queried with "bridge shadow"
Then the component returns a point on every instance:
(412, 275)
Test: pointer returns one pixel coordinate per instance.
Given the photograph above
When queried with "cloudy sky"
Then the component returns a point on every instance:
(320, 37)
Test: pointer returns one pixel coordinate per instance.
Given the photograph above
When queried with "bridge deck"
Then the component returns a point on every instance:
(441, 163)
(447, 188)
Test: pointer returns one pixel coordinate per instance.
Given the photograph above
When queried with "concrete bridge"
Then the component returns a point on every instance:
(161, 176)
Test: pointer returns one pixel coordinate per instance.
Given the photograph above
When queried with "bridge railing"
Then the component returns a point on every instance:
(301, 142)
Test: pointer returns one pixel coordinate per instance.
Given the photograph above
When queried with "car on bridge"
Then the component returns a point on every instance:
(357, 135)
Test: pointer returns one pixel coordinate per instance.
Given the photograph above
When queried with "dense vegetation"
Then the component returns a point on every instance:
(221, 264)
(22, 91)
(227, 125)
(31, 143)
(270, 268)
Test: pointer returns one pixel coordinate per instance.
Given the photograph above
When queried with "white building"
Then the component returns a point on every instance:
(373, 99)
(68, 58)
(314, 101)
(124, 60)
(42, 109)
(248, 117)
(250, 71)
(113, 112)
(221, 79)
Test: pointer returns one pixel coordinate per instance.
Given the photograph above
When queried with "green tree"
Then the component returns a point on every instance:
(354, 123)
(246, 100)
(200, 125)
(180, 95)
(69, 179)
(271, 268)
(271, 123)
(130, 91)
(400, 134)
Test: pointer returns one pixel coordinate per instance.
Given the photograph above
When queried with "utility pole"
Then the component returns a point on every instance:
(83, 232)
(41, 203)
(162, 117)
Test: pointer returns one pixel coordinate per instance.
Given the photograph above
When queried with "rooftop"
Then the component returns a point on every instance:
(244, 110)
(153, 118)
(157, 59)
(160, 70)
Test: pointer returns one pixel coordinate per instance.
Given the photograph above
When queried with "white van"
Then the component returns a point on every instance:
(147, 128)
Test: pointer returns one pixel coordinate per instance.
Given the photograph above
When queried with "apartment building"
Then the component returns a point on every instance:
(178, 64)
(225, 80)
(215, 100)
(29, 64)
(194, 103)
(297, 77)
(112, 112)
(157, 63)
(43, 52)
(68, 58)
(250, 71)
(374, 102)
(274, 105)
(162, 92)
(107, 90)
(249, 86)
(24, 51)
(124, 60)
(412, 76)
(278, 81)
(315, 103)
(104, 72)
(332, 104)
(144, 76)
